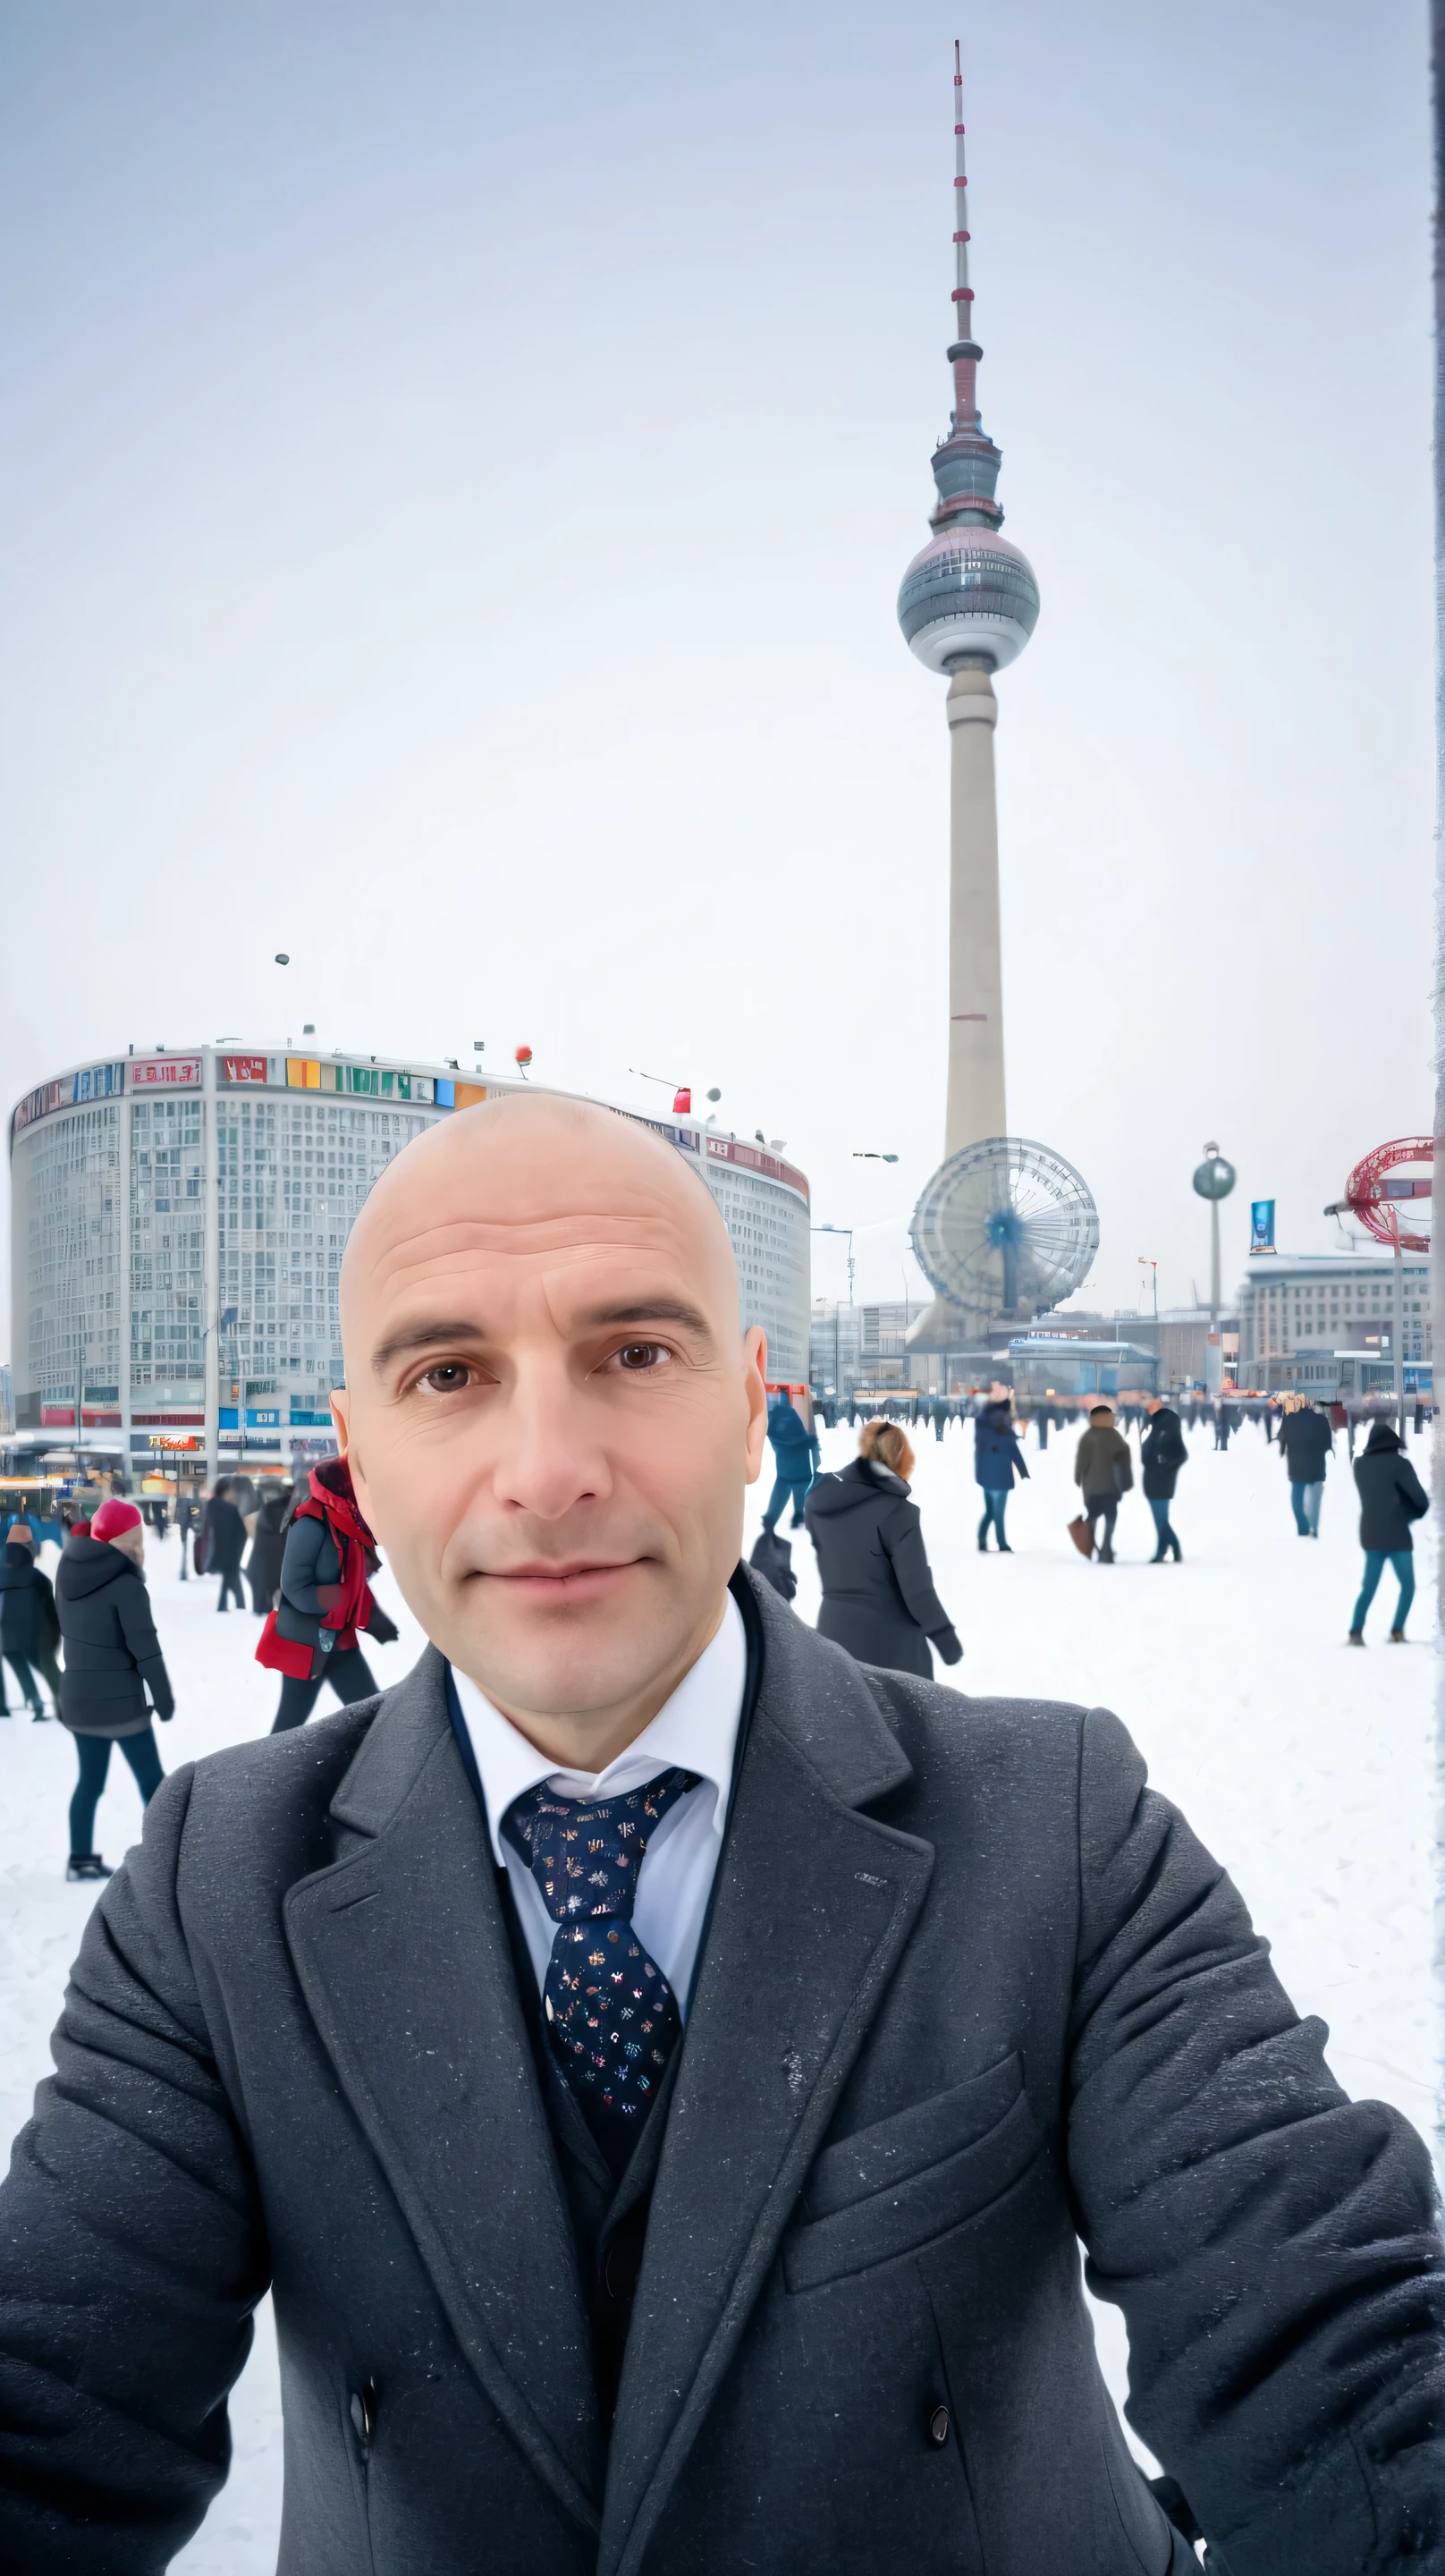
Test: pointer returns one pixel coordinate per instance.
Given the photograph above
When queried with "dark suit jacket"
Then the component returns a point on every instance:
(968, 1986)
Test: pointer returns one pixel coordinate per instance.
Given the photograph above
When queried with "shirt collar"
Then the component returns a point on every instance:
(697, 1728)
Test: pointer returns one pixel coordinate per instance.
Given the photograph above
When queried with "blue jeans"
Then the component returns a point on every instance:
(1164, 1537)
(797, 1486)
(94, 1751)
(1376, 1560)
(1307, 1500)
(993, 1511)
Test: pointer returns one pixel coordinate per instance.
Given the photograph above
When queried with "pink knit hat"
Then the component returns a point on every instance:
(113, 1517)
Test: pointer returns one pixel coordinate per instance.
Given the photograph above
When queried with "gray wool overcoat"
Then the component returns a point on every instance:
(970, 1992)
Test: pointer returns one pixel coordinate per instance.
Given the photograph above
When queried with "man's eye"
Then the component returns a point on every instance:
(642, 1355)
(447, 1376)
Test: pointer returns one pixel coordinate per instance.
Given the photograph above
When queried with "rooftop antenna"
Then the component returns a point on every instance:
(965, 351)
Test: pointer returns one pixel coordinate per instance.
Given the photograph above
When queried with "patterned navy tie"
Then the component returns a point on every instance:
(612, 2017)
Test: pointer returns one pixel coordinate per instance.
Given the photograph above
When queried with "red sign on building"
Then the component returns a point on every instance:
(244, 1068)
(164, 1072)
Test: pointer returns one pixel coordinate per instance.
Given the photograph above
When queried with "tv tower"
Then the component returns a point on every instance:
(1002, 1225)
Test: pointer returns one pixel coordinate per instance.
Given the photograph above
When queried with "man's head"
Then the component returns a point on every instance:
(550, 1414)
(20, 1534)
(1152, 1403)
(1100, 1416)
(119, 1524)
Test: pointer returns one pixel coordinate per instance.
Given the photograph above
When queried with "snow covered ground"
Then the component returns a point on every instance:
(1306, 1765)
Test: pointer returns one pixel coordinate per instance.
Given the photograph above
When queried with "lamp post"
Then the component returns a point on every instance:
(837, 1369)
(1214, 1178)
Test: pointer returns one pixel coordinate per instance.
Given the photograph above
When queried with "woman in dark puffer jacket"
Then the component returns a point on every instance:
(112, 1655)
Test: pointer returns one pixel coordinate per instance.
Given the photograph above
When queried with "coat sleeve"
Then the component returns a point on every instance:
(49, 1615)
(1272, 2244)
(901, 1531)
(1417, 1501)
(298, 1565)
(131, 2250)
(139, 1630)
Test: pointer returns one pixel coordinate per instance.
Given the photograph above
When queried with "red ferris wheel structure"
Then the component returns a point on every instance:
(1384, 1193)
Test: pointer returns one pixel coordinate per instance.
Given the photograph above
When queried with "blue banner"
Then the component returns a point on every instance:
(1261, 1225)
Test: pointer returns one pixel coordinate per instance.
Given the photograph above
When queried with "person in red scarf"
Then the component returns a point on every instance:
(325, 1600)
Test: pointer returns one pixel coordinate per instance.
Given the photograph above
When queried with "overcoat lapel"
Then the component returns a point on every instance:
(403, 1956)
(813, 1906)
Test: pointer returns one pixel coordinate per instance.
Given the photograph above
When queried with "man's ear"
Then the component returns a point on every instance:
(755, 1382)
(341, 1416)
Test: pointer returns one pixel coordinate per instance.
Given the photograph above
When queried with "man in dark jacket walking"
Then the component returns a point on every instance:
(878, 1595)
(112, 1657)
(29, 1628)
(937, 1987)
(798, 1457)
(1391, 1497)
(1104, 1473)
(225, 1544)
(1305, 1440)
(1161, 1457)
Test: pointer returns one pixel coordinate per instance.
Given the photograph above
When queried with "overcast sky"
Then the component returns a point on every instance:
(458, 463)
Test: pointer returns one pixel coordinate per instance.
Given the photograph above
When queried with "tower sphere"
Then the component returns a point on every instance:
(969, 595)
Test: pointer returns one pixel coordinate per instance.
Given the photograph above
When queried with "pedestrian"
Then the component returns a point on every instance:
(878, 1595)
(1222, 1425)
(1104, 1473)
(1161, 1456)
(186, 1517)
(268, 1546)
(29, 1628)
(997, 1459)
(324, 1600)
(1391, 1497)
(796, 1451)
(1305, 1443)
(223, 1540)
(112, 1656)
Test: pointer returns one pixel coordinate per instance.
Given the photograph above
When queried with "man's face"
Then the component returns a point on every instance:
(550, 1413)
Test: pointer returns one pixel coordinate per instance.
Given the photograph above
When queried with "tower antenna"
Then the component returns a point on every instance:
(965, 351)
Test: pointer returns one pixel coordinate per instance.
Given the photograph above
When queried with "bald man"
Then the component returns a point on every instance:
(663, 2069)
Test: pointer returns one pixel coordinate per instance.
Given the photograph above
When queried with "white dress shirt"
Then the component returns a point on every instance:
(697, 1729)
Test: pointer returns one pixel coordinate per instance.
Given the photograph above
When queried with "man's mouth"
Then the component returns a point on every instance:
(566, 1579)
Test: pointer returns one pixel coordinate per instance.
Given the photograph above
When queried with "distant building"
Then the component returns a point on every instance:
(7, 1400)
(177, 1226)
(1328, 1323)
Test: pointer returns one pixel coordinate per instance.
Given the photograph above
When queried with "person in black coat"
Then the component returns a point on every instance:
(186, 1518)
(29, 1628)
(1391, 1497)
(1305, 1440)
(959, 1992)
(1161, 1456)
(878, 1595)
(223, 1534)
(112, 1656)
(268, 1547)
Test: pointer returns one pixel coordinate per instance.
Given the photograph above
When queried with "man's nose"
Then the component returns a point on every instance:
(551, 1458)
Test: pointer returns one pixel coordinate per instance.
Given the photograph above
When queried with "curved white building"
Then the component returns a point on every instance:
(177, 1223)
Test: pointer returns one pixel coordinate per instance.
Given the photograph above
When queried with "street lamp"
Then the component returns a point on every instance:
(1214, 1178)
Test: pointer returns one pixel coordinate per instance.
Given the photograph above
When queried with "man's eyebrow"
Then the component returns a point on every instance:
(661, 1310)
(427, 1333)
(420, 1337)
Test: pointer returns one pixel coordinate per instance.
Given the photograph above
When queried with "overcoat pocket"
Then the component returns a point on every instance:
(916, 2175)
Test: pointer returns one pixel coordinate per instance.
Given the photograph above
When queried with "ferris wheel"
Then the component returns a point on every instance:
(1005, 1227)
